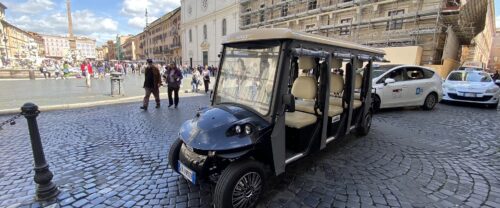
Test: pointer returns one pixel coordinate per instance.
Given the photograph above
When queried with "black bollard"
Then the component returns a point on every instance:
(45, 189)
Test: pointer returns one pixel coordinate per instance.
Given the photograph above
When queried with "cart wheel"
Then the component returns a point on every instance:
(376, 103)
(173, 155)
(365, 125)
(240, 185)
(430, 101)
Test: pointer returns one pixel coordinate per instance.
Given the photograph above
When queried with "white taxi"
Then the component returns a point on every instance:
(405, 85)
(472, 87)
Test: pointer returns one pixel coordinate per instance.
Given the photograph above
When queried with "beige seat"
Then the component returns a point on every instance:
(303, 88)
(357, 86)
(336, 88)
(305, 105)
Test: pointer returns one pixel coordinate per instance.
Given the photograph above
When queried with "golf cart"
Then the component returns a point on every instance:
(278, 97)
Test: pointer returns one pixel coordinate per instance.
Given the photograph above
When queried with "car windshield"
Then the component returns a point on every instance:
(381, 69)
(469, 77)
(247, 77)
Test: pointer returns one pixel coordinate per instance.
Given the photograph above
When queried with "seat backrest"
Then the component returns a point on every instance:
(336, 84)
(304, 87)
(359, 81)
(306, 63)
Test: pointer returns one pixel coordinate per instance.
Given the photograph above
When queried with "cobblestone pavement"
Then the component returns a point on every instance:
(116, 156)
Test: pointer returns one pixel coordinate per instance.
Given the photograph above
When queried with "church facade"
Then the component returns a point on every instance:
(204, 26)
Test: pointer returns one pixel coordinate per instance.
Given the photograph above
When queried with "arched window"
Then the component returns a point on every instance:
(224, 27)
(190, 36)
(204, 32)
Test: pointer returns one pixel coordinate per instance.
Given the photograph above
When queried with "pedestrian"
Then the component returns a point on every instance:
(57, 71)
(173, 76)
(44, 70)
(65, 70)
(496, 76)
(152, 83)
(86, 71)
(195, 82)
(206, 78)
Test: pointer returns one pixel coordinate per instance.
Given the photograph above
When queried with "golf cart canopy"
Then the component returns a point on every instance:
(283, 33)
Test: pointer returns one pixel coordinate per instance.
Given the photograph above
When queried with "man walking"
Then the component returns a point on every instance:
(152, 82)
(173, 77)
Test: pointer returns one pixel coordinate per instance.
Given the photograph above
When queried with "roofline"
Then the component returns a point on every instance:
(164, 17)
(285, 33)
(3, 6)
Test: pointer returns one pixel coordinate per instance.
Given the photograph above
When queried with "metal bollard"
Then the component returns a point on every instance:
(45, 189)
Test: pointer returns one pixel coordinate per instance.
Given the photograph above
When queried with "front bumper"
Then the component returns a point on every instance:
(482, 98)
(196, 161)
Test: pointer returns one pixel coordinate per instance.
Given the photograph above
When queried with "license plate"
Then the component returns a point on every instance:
(187, 173)
(468, 94)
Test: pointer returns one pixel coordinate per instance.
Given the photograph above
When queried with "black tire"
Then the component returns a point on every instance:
(376, 103)
(173, 155)
(430, 101)
(229, 179)
(364, 126)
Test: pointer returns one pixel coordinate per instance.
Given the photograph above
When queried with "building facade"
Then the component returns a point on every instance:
(18, 43)
(120, 40)
(481, 45)
(86, 47)
(129, 48)
(161, 40)
(138, 53)
(111, 55)
(425, 24)
(204, 26)
(494, 62)
(59, 46)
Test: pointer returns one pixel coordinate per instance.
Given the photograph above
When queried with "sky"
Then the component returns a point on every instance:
(99, 19)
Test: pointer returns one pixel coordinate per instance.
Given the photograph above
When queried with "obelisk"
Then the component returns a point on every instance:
(71, 38)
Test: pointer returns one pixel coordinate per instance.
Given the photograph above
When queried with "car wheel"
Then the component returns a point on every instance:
(173, 155)
(430, 102)
(240, 185)
(365, 125)
(376, 103)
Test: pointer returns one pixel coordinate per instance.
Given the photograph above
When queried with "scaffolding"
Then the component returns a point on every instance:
(379, 23)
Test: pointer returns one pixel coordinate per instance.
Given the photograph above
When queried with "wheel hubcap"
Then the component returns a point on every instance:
(247, 190)
(431, 101)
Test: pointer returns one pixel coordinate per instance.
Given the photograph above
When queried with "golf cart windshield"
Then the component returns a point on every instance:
(247, 76)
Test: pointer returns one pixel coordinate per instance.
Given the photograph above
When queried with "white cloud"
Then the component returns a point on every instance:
(85, 23)
(139, 22)
(32, 6)
(135, 10)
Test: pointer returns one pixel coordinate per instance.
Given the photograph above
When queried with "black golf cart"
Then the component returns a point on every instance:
(279, 96)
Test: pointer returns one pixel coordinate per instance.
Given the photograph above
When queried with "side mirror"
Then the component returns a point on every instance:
(389, 81)
(289, 102)
(497, 82)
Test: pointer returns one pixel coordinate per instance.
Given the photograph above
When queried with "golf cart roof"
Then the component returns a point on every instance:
(284, 33)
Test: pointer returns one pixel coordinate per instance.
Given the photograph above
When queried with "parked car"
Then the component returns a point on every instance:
(405, 85)
(264, 115)
(471, 86)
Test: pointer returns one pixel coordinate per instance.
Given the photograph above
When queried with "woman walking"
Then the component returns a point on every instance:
(196, 80)
(206, 78)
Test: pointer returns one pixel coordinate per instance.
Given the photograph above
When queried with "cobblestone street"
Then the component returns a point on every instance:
(116, 156)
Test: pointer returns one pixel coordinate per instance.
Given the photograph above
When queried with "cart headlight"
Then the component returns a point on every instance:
(237, 129)
(248, 129)
(494, 89)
